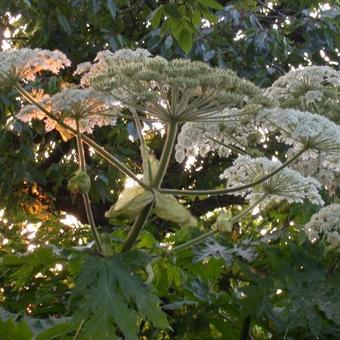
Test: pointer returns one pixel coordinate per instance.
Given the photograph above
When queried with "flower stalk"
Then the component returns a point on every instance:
(86, 198)
(204, 236)
(216, 192)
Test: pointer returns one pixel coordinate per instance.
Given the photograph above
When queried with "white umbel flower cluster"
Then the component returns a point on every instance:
(303, 129)
(104, 59)
(88, 107)
(325, 225)
(326, 172)
(25, 63)
(312, 88)
(200, 138)
(287, 184)
(307, 81)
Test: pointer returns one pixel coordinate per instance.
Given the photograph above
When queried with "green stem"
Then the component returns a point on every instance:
(141, 219)
(215, 192)
(166, 154)
(139, 127)
(78, 330)
(113, 161)
(202, 237)
(193, 242)
(80, 149)
(245, 328)
(86, 198)
(244, 151)
(231, 147)
(100, 150)
(137, 227)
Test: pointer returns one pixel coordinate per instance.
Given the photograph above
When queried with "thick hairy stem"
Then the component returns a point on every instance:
(87, 203)
(141, 219)
(90, 142)
(216, 192)
(202, 237)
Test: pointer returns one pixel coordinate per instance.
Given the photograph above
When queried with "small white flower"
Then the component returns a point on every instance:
(83, 68)
(323, 171)
(181, 90)
(313, 88)
(313, 96)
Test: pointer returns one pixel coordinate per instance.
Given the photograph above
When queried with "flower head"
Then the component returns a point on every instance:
(303, 130)
(311, 88)
(105, 58)
(231, 128)
(85, 107)
(287, 184)
(25, 63)
(180, 90)
(299, 82)
(325, 225)
(326, 171)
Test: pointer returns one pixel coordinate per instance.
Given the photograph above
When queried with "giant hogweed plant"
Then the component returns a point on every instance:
(202, 110)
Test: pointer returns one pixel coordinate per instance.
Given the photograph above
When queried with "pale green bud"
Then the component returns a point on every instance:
(79, 183)
(223, 224)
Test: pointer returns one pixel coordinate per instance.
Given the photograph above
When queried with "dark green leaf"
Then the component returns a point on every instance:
(171, 9)
(108, 293)
(56, 332)
(155, 16)
(14, 331)
(196, 19)
(185, 40)
(211, 4)
(63, 21)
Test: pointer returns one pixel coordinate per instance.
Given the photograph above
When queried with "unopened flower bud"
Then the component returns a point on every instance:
(79, 183)
(223, 224)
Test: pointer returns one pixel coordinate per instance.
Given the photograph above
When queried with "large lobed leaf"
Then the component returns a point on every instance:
(111, 297)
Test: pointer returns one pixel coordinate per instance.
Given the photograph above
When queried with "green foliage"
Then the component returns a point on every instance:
(13, 331)
(295, 282)
(108, 294)
(183, 20)
(56, 332)
(29, 328)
